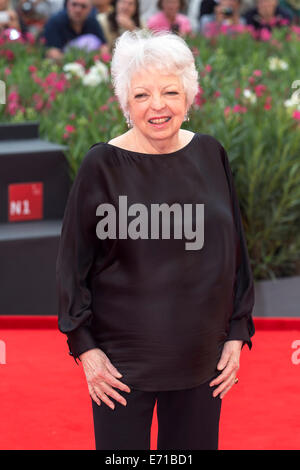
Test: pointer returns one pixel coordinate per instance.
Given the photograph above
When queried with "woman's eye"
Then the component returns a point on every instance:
(140, 95)
(172, 93)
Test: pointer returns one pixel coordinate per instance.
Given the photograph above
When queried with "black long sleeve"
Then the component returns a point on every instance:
(241, 322)
(77, 251)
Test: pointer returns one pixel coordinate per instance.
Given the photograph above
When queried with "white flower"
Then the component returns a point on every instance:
(98, 73)
(249, 95)
(74, 68)
(277, 64)
(91, 79)
(101, 69)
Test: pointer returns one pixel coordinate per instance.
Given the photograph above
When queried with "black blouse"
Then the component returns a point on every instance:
(158, 291)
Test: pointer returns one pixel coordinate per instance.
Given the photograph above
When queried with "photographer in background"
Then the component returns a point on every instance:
(8, 16)
(268, 14)
(226, 12)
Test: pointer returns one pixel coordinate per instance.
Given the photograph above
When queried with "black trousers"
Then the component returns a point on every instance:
(187, 420)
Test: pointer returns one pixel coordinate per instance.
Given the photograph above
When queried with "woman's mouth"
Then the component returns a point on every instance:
(159, 121)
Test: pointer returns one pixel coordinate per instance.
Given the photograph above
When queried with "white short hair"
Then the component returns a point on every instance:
(162, 50)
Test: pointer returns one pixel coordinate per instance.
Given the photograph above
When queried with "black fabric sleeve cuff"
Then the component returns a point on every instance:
(239, 330)
(80, 340)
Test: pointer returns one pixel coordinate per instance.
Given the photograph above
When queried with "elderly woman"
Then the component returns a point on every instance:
(155, 285)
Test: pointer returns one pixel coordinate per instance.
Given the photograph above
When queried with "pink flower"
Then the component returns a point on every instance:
(265, 34)
(208, 68)
(12, 108)
(60, 85)
(51, 78)
(8, 54)
(267, 105)
(7, 71)
(32, 68)
(69, 128)
(13, 96)
(217, 94)
(260, 89)
(295, 29)
(239, 109)
(106, 57)
(257, 73)
(296, 115)
(224, 28)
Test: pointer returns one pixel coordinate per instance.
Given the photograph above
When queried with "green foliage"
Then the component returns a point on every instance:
(260, 134)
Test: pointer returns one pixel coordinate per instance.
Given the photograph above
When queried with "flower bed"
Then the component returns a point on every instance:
(249, 99)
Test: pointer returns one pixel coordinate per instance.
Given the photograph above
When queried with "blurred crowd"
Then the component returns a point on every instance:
(95, 24)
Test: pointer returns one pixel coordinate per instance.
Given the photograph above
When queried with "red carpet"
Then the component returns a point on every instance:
(44, 401)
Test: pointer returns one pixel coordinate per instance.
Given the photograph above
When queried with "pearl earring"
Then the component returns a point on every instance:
(129, 122)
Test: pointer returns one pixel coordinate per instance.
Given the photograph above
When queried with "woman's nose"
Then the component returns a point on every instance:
(157, 102)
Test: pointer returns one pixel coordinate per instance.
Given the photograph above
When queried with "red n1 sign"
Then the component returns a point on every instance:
(25, 201)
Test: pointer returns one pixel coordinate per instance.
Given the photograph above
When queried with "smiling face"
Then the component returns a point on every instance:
(157, 103)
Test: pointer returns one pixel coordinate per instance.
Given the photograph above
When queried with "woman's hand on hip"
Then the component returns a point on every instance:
(229, 364)
(101, 376)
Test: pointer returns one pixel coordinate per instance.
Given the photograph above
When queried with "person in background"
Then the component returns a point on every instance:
(169, 18)
(267, 14)
(8, 16)
(69, 24)
(124, 16)
(226, 12)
